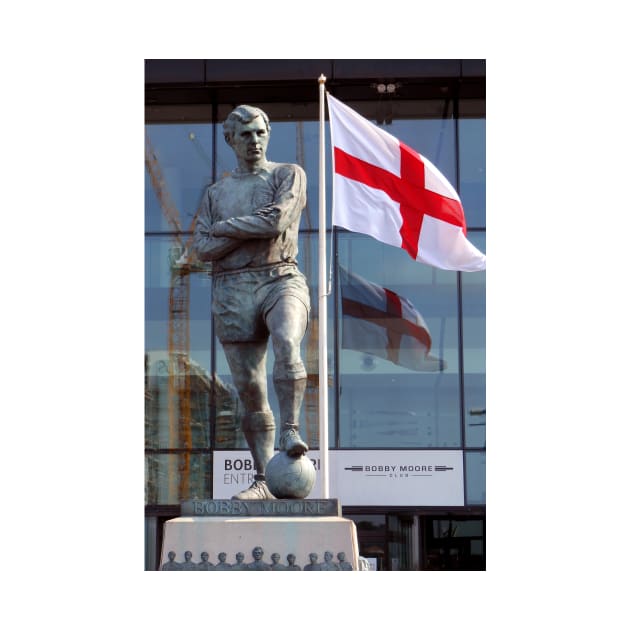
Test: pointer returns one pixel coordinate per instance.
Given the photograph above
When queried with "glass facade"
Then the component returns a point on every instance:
(377, 400)
(385, 404)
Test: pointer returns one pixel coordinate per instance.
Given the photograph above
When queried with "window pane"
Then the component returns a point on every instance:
(472, 170)
(392, 394)
(166, 285)
(455, 544)
(372, 536)
(172, 478)
(179, 167)
(475, 478)
(185, 408)
(180, 401)
(474, 341)
(400, 546)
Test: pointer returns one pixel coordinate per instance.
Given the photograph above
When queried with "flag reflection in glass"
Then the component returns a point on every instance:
(382, 323)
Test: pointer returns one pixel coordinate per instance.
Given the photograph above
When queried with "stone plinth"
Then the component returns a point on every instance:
(234, 533)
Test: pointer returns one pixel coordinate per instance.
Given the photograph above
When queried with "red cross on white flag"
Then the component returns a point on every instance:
(383, 188)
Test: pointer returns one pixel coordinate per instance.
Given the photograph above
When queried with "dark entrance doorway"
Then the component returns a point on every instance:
(453, 544)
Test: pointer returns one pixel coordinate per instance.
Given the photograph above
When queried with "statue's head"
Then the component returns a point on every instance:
(243, 115)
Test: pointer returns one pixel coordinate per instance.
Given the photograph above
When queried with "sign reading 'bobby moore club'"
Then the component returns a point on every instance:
(432, 478)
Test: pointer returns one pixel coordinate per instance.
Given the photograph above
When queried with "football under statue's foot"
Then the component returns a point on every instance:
(258, 491)
(292, 443)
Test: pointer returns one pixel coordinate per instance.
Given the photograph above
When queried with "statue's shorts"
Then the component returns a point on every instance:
(241, 299)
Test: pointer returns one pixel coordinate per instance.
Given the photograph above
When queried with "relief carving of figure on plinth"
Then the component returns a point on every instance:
(205, 564)
(240, 562)
(258, 564)
(222, 565)
(276, 565)
(188, 564)
(291, 566)
(328, 564)
(171, 565)
(344, 565)
(313, 565)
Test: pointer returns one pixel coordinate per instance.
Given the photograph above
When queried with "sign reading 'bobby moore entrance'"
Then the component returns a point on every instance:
(432, 478)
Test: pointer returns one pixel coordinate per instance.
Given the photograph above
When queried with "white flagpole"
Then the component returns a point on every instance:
(323, 315)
